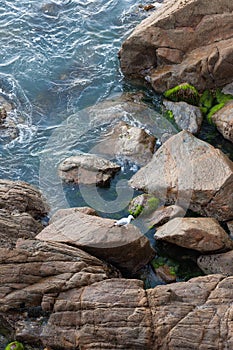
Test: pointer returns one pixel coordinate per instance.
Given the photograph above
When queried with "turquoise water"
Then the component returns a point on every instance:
(56, 58)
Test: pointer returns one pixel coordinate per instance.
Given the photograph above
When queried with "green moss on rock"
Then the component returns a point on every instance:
(222, 98)
(15, 345)
(207, 100)
(213, 110)
(183, 92)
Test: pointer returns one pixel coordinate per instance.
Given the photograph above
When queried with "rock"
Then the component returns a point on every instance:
(62, 213)
(186, 116)
(17, 225)
(87, 169)
(143, 204)
(18, 196)
(201, 234)
(192, 315)
(122, 246)
(164, 214)
(230, 227)
(41, 270)
(164, 273)
(128, 142)
(223, 119)
(89, 323)
(190, 173)
(183, 41)
(217, 263)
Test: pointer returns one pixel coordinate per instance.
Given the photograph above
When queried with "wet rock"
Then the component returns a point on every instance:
(87, 169)
(223, 119)
(122, 246)
(128, 142)
(18, 196)
(182, 41)
(62, 213)
(186, 116)
(164, 214)
(201, 234)
(217, 263)
(17, 225)
(164, 273)
(190, 173)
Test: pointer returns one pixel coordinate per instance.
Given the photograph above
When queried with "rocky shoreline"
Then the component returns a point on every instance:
(72, 284)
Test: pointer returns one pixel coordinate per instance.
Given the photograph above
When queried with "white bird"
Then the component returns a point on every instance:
(124, 221)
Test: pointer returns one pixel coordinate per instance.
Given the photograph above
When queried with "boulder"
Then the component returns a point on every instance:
(42, 270)
(164, 214)
(186, 116)
(62, 213)
(189, 41)
(17, 225)
(87, 169)
(18, 196)
(190, 173)
(128, 142)
(122, 246)
(201, 234)
(223, 119)
(217, 263)
(192, 315)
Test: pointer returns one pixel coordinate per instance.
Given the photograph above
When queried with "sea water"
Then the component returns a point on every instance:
(56, 59)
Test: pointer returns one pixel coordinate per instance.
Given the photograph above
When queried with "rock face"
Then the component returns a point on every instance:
(87, 169)
(128, 142)
(124, 247)
(21, 197)
(164, 214)
(201, 234)
(189, 41)
(191, 173)
(17, 225)
(186, 116)
(223, 119)
(217, 263)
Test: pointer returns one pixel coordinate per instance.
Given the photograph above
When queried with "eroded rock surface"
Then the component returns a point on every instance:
(129, 142)
(87, 169)
(223, 119)
(124, 247)
(182, 41)
(217, 263)
(201, 234)
(190, 173)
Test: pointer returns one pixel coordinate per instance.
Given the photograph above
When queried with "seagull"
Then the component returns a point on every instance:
(124, 221)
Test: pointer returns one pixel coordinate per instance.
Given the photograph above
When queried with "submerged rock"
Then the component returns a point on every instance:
(122, 246)
(187, 41)
(201, 234)
(129, 142)
(87, 169)
(190, 173)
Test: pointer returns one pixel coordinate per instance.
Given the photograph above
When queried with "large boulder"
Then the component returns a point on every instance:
(201, 234)
(19, 196)
(191, 173)
(189, 41)
(87, 169)
(126, 141)
(223, 119)
(122, 246)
